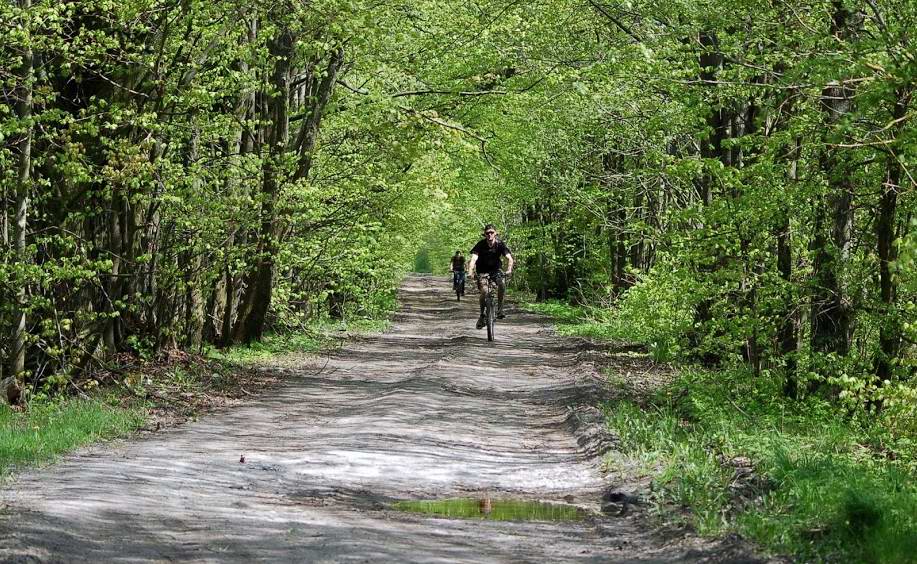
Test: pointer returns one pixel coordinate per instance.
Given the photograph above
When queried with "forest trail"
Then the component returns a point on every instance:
(427, 410)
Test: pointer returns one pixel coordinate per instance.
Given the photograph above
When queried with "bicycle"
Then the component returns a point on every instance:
(490, 287)
(458, 284)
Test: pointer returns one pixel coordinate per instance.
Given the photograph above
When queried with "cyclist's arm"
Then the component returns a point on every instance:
(472, 262)
(509, 263)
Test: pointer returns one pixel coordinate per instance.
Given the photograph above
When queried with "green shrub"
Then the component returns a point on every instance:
(657, 312)
(822, 485)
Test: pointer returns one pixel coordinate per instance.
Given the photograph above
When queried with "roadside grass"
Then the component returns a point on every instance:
(602, 324)
(726, 453)
(171, 388)
(318, 335)
(797, 477)
(578, 321)
(50, 428)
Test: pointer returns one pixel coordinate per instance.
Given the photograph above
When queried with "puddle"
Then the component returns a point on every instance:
(494, 509)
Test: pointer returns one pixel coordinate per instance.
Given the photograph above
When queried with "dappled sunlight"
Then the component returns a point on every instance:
(429, 409)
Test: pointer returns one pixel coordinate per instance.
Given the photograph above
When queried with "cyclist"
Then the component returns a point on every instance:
(486, 259)
(458, 271)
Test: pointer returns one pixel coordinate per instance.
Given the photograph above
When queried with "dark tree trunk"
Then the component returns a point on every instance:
(711, 63)
(637, 249)
(616, 224)
(744, 123)
(890, 328)
(542, 256)
(252, 317)
(244, 145)
(308, 133)
(193, 267)
(10, 384)
(257, 299)
(831, 313)
(114, 285)
(786, 331)
(832, 316)
(621, 281)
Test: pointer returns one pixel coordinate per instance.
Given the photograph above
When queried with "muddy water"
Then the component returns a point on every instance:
(429, 410)
(494, 509)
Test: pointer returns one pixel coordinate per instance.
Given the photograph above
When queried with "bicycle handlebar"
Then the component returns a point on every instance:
(498, 274)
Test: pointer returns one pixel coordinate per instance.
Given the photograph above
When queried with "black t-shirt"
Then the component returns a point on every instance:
(489, 257)
(458, 264)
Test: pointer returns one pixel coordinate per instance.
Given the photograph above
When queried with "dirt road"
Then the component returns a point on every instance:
(427, 410)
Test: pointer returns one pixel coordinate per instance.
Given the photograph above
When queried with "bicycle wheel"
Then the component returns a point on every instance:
(458, 291)
(491, 315)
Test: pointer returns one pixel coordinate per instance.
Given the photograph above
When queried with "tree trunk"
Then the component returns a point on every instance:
(711, 63)
(192, 263)
(890, 328)
(744, 123)
(10, 384)
(113, 284)
(621, 282)
(250, 326)
(831, 312)
(786, 332)
(637, 250)
(308, 133)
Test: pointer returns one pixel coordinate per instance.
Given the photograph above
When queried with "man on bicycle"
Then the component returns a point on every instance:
(485, 259)
(458, 271)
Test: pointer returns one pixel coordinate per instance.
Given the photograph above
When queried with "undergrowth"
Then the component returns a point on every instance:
(797, 477)
(50, 428)
(727, 452)
(578, 321)
(171, 387)
(600, 323)
(318, 335)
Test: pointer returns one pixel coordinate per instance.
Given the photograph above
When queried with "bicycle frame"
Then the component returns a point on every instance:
(458, 283)
(490, 286)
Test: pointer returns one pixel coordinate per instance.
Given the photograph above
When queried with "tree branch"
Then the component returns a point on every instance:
(601, 9)
(449, 93)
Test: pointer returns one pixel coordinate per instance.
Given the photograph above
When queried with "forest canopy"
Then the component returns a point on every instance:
(733, 182)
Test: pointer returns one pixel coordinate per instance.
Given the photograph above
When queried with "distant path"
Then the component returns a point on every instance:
(428, 409)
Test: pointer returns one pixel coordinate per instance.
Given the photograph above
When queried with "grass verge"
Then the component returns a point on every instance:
(159, 392)
(49, 429)
(732, 455)
(319, 335)
(725, 452)
(578, 321)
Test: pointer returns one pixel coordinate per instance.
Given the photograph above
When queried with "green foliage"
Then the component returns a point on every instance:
(269, 347)
(732, 184)
(422, 261)
(319, 334)
(796, 477)
(658, 311)
(149, 169)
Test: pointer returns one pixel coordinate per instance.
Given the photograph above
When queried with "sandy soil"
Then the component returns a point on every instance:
(427, 410)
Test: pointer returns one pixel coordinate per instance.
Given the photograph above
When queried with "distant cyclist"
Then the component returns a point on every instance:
(486, 259)
(458, 271)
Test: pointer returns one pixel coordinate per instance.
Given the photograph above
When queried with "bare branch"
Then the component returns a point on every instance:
(449, 93)
(601, 9)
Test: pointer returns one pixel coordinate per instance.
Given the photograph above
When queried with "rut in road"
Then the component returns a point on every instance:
(429, 409)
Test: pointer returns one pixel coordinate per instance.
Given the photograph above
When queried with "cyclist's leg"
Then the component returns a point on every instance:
(501, 290)
(481, 293)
